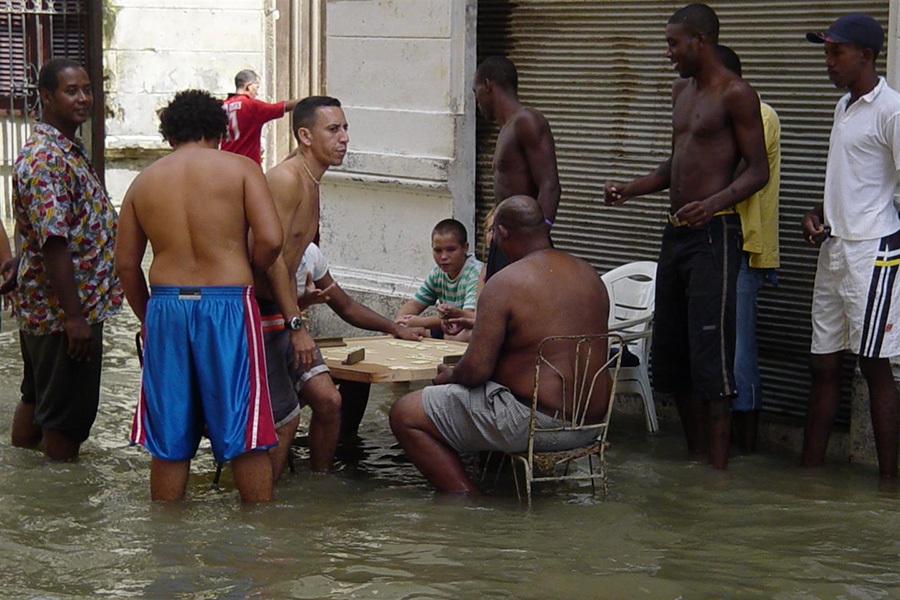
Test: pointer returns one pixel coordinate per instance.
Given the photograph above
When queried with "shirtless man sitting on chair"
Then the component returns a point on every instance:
(484, 403)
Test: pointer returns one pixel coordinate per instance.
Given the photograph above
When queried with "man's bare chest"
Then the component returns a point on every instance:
(508, 155)
(699, 116)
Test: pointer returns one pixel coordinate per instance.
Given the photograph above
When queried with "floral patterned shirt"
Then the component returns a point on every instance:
(57, 193)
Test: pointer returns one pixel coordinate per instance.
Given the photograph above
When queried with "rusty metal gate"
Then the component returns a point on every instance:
(31, 33)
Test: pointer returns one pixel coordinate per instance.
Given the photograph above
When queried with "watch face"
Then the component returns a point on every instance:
(296, 324)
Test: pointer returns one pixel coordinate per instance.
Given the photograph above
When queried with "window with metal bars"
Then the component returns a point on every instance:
(31, 33)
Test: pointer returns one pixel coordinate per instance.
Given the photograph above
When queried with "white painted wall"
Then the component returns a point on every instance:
(402, 69)
(893, 39)
(154, 48)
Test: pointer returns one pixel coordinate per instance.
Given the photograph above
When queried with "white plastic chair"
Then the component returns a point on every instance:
(632, 291)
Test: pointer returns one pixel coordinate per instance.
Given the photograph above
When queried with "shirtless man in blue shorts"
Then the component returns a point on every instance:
(204, 367)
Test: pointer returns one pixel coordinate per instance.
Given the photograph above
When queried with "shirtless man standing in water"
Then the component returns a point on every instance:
(202, 332)
(294, 365)
(716, 123)
(525, 156)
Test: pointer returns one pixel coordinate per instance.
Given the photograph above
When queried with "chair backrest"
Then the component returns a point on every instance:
(632, 294)
(577, 364)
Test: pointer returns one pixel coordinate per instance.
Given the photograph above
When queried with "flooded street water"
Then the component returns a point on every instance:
(670, 528)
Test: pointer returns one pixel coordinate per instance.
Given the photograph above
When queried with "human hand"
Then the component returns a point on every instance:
(313, 295)
(614, 193)
(413, 334)
(695, 214)
(405, 320)
(304, 349)
(81, 338)
(8, 270)
(449, 311)
(813, 229)
(444, 374)
(455, 326)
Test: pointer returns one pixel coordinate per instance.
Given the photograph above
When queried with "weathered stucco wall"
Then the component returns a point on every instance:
(402, 69)
(154, 48)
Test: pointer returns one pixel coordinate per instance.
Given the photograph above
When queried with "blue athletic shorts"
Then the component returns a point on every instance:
(204, 372)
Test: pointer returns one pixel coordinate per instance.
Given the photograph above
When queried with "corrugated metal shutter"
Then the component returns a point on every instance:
(597, 70)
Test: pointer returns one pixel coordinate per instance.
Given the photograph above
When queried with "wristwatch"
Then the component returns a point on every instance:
(295, 324)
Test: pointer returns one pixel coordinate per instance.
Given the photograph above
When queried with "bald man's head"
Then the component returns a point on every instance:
(519, 213)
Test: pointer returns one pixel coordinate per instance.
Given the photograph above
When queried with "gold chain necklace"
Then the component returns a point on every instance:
(308, 172)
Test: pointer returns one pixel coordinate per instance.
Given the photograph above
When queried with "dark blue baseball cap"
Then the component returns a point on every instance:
(852, 28)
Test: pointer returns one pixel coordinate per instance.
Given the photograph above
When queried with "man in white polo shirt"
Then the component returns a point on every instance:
(856, 303)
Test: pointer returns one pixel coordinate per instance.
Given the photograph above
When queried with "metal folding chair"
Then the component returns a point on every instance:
(580, 372)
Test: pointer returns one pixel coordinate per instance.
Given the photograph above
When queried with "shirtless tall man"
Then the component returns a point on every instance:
(525, 156)
(484, 403)
(202, 329)
(716, 123)
(294, 364)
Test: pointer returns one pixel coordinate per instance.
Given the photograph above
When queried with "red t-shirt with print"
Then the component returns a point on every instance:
(246, 116)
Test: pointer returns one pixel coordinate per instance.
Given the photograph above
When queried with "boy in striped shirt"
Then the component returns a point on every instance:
(451, 285)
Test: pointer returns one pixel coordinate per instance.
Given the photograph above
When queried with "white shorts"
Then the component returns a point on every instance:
(855, 298)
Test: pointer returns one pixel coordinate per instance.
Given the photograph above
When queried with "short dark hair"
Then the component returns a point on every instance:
(48, 78)
(451, 227)
(304, 114)
(730, 60)
(191, 116)
(244, 78)
(698, 18)
(500, 70)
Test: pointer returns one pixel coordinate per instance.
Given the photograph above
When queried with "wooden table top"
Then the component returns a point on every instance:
(389, 359)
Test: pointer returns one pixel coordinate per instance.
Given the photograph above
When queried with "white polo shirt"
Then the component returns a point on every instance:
(863, 160)
(314, 262)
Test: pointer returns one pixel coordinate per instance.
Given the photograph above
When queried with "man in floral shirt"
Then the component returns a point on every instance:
(66, 285)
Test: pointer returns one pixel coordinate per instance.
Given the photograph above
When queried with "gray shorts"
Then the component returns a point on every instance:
(285, 382)
(489, 417)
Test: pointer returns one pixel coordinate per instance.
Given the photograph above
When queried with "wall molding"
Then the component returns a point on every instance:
(383, 284)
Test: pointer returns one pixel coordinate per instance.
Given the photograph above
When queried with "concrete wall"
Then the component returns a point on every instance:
(154, 48)
(403, 70)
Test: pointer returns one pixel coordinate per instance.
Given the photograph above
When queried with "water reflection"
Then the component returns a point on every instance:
(670, 528)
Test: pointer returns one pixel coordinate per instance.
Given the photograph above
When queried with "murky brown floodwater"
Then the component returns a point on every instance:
(671, 528)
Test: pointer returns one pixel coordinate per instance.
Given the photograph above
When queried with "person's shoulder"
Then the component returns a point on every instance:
(281, 173)
(231, 158)
(734, 86)
(313, 254)
(472, 262)
(679, 85)
(228, 162)
(40, 153)
(890, 95)
(528, 116)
